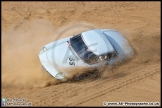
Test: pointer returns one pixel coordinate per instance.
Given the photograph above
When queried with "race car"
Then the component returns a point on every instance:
(91, 48)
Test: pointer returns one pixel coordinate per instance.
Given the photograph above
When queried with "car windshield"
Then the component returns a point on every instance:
(82, 50)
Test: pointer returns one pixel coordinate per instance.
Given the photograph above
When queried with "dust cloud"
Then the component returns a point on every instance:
(20, 46)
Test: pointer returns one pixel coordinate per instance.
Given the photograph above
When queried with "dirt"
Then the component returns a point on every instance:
(28, 26)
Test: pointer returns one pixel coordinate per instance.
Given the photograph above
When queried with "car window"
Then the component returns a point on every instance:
(82, 50)
(78, 44)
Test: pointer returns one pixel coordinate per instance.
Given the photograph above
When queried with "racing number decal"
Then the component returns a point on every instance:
(71, 61)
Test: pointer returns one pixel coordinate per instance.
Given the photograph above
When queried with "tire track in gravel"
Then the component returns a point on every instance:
(73, 91)
(141, 75)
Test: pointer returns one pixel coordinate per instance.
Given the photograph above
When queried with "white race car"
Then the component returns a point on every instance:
(91, 49)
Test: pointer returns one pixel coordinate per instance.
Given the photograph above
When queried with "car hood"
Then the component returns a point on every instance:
(97, 42)
(62, 57)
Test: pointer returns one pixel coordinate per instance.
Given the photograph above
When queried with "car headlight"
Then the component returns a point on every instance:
(60, 75)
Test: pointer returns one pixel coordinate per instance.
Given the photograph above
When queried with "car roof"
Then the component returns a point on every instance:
(97, 42)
